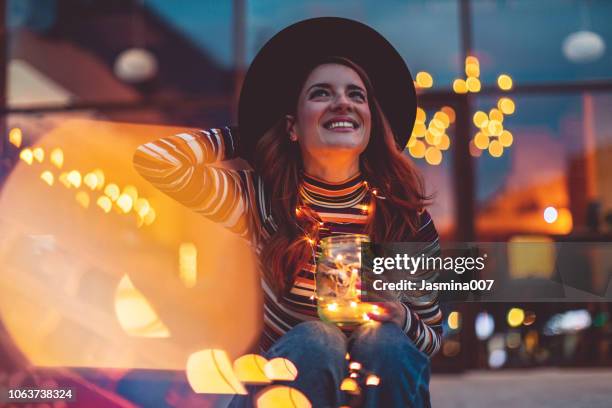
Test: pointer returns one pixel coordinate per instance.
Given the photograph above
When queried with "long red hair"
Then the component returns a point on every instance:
(383, 166)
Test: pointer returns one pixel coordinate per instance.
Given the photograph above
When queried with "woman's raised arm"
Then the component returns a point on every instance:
(180, 166)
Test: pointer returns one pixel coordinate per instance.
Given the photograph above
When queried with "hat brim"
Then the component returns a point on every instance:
(268, 90)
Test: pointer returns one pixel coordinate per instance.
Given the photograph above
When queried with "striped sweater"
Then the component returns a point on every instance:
(182, 167)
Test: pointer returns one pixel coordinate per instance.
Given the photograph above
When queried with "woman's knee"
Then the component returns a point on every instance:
(315, 339)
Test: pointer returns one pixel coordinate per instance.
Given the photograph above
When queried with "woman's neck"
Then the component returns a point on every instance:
(333, 172)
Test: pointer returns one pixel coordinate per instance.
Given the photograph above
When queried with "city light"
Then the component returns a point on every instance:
(484, 325)
(454, 320)
(515, 317)
(504, 82)
(424, 79)
(47, 177)
(550, 214)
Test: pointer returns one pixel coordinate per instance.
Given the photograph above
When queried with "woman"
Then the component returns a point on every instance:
(325, 110)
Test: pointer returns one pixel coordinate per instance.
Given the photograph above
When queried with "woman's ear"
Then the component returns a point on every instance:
(290, 127)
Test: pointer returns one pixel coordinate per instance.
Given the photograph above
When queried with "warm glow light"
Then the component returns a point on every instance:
(433, 156)
(332, 307)
(100, 178)
(210, 372)
(355, 365)
(424, 79)
(47, 177)
(496, 114)
(418, 150)
(475, 151)
(450, 112)
(112, 191)
(480, 118)
(349, 385)
(74, 178)
(57, 157)
(411, 141)
(515, 317)
(83, 199)
(131, 191)
(26, 155)
(104, 203)
(472, 70)
(280, 396)
(188, 264)
(453, 320)
(135, 314)
(15, 137)
(125, 203)
(419, 129)
(565, 221)
(444, 142)
(372, 380)
(433, 136)
(504, 82)
(150, 217)
(550, 214)
(142, 207)
(459, 86)
(530, 318)
(39, 154)
(443, 118)
(421, 116)
(506, 138)
(495, 128)
(91, 181)
(473, 84)
(280, 369)
(471, 60)
(250, 369)
(495, 148)
(506, 105)
(481, 140)
(63, 178)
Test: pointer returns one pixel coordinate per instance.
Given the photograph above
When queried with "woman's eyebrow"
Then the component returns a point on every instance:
(350, 87)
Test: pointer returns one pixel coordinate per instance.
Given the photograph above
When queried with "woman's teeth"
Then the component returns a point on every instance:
(342, 124)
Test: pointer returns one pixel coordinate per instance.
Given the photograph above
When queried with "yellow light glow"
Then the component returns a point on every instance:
(421, 116)
(63, 178)
(82, 198)
(355, 365)
(433, 156)
(471, 60)
(418, 150)
(454, 320)
(443, 118)
(332, 307)
(112, 191)
(142, 206)
(565, 221)
(472, 70)
(57, 157)
(353, 375)
(495, 128)
(481, 141)
(39, 154)
(496, 114)
(450, 112)
(349, 385)
(411, 141)
(26, 155)
(91, 181)
(135, 314)
(459, 86)
(419, 130)
(496, 149)
(372, 380)
(209, 371)
(15, 137)
(504, 82)
(280, 369)
(506, 105)
(104, 203)
(100, 178)
(353, 304)
(125, 203)
(473, 84)
(424, 79)
(475, 151)
(433, 137)
(280, 396)
(438, 123)
(506, 138)
(444, 142)
(74, 178)
(47, 177)
(250, 369)
(480, 118)
(150, 217)
(515, 317)
(188, 264)
(365, 317)
(131, 191)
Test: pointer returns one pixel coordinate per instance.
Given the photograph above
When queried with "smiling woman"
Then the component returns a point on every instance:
(323, 128)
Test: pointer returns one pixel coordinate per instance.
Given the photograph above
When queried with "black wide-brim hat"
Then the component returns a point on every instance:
(269, 88)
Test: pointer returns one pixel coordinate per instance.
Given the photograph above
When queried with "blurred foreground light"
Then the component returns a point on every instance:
(99, 178)
(497, 358)
(39, 154)
(57, 157)
(459, 86)
(421, 116)
(550, 214)
(473, 84)
(454, 320)
(424, 79)
(188, 264)
(496, 149)
(26, 155)
(135, 314)
(471, 60)
(450, 112)
(496, 114)
(105, 204)
(495, 128)
(74, 178)
(433, 156)
(472, 70)
(63, 178)
(515, 317)
(349, 385)
(504, 82)
(47, 177)
(280, 396)
(444, 142)
(513, 340)
(583, 46)
(372, 380)
(530, 318)
(112, 191)
(571, 321)
(280, 369)
(91, 181)
(83, 199)
(480, 118)
(506, 139)
(506, 105)
(210, 372)
(481, 141)
(484, 325)
(250, 369)
(417, 150)
(443, 117)
(150, 217)
(531, 340)
(131, 191)
(15, 137)
(125, 203)
(135, 65)
(419, 129)
(142, 207)
(355, 365)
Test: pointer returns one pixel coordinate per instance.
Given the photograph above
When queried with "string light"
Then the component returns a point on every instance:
(47, 177)
(15, 137)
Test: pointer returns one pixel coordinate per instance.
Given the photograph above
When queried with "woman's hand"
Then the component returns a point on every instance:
(389, 312)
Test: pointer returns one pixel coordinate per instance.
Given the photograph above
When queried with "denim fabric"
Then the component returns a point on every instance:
(318, 351)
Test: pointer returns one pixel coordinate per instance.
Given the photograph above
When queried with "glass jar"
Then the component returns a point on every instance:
(338, 280)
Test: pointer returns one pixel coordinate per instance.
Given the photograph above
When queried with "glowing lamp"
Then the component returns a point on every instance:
(280, 369)
(91, 181)
(473, 84)
(433, 156)
(278, 396)
(209, 371)
(26, 155)
(450, 112)
(424, 79)
(504, 82)
(57, 157)
(459, 86)
(550, 214)
(112, 191)
(39, 154)
(417, 150)
(47, 177)
(104, 203)
(372, 380)
(515, 317)
(15, 137)
(74, 178)
(454, 320)
(250, 369)
(349, 385)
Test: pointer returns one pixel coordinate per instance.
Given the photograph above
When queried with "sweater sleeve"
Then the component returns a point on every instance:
(181, 166)
(423, 315)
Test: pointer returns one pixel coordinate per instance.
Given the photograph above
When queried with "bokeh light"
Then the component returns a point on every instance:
(550, 214)
(504, 82)
(515, 317)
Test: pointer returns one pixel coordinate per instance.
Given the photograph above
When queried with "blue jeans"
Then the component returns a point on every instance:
(318, 350)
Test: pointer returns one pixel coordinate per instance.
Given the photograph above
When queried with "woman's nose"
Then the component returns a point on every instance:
(342, 102)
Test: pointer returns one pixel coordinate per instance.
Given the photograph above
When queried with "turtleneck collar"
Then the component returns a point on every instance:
(324, 193)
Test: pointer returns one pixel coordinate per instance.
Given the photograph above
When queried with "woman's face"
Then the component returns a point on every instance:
(333, 114)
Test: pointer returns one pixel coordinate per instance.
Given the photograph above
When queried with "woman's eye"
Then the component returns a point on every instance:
(358, 95)
(319, 93)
